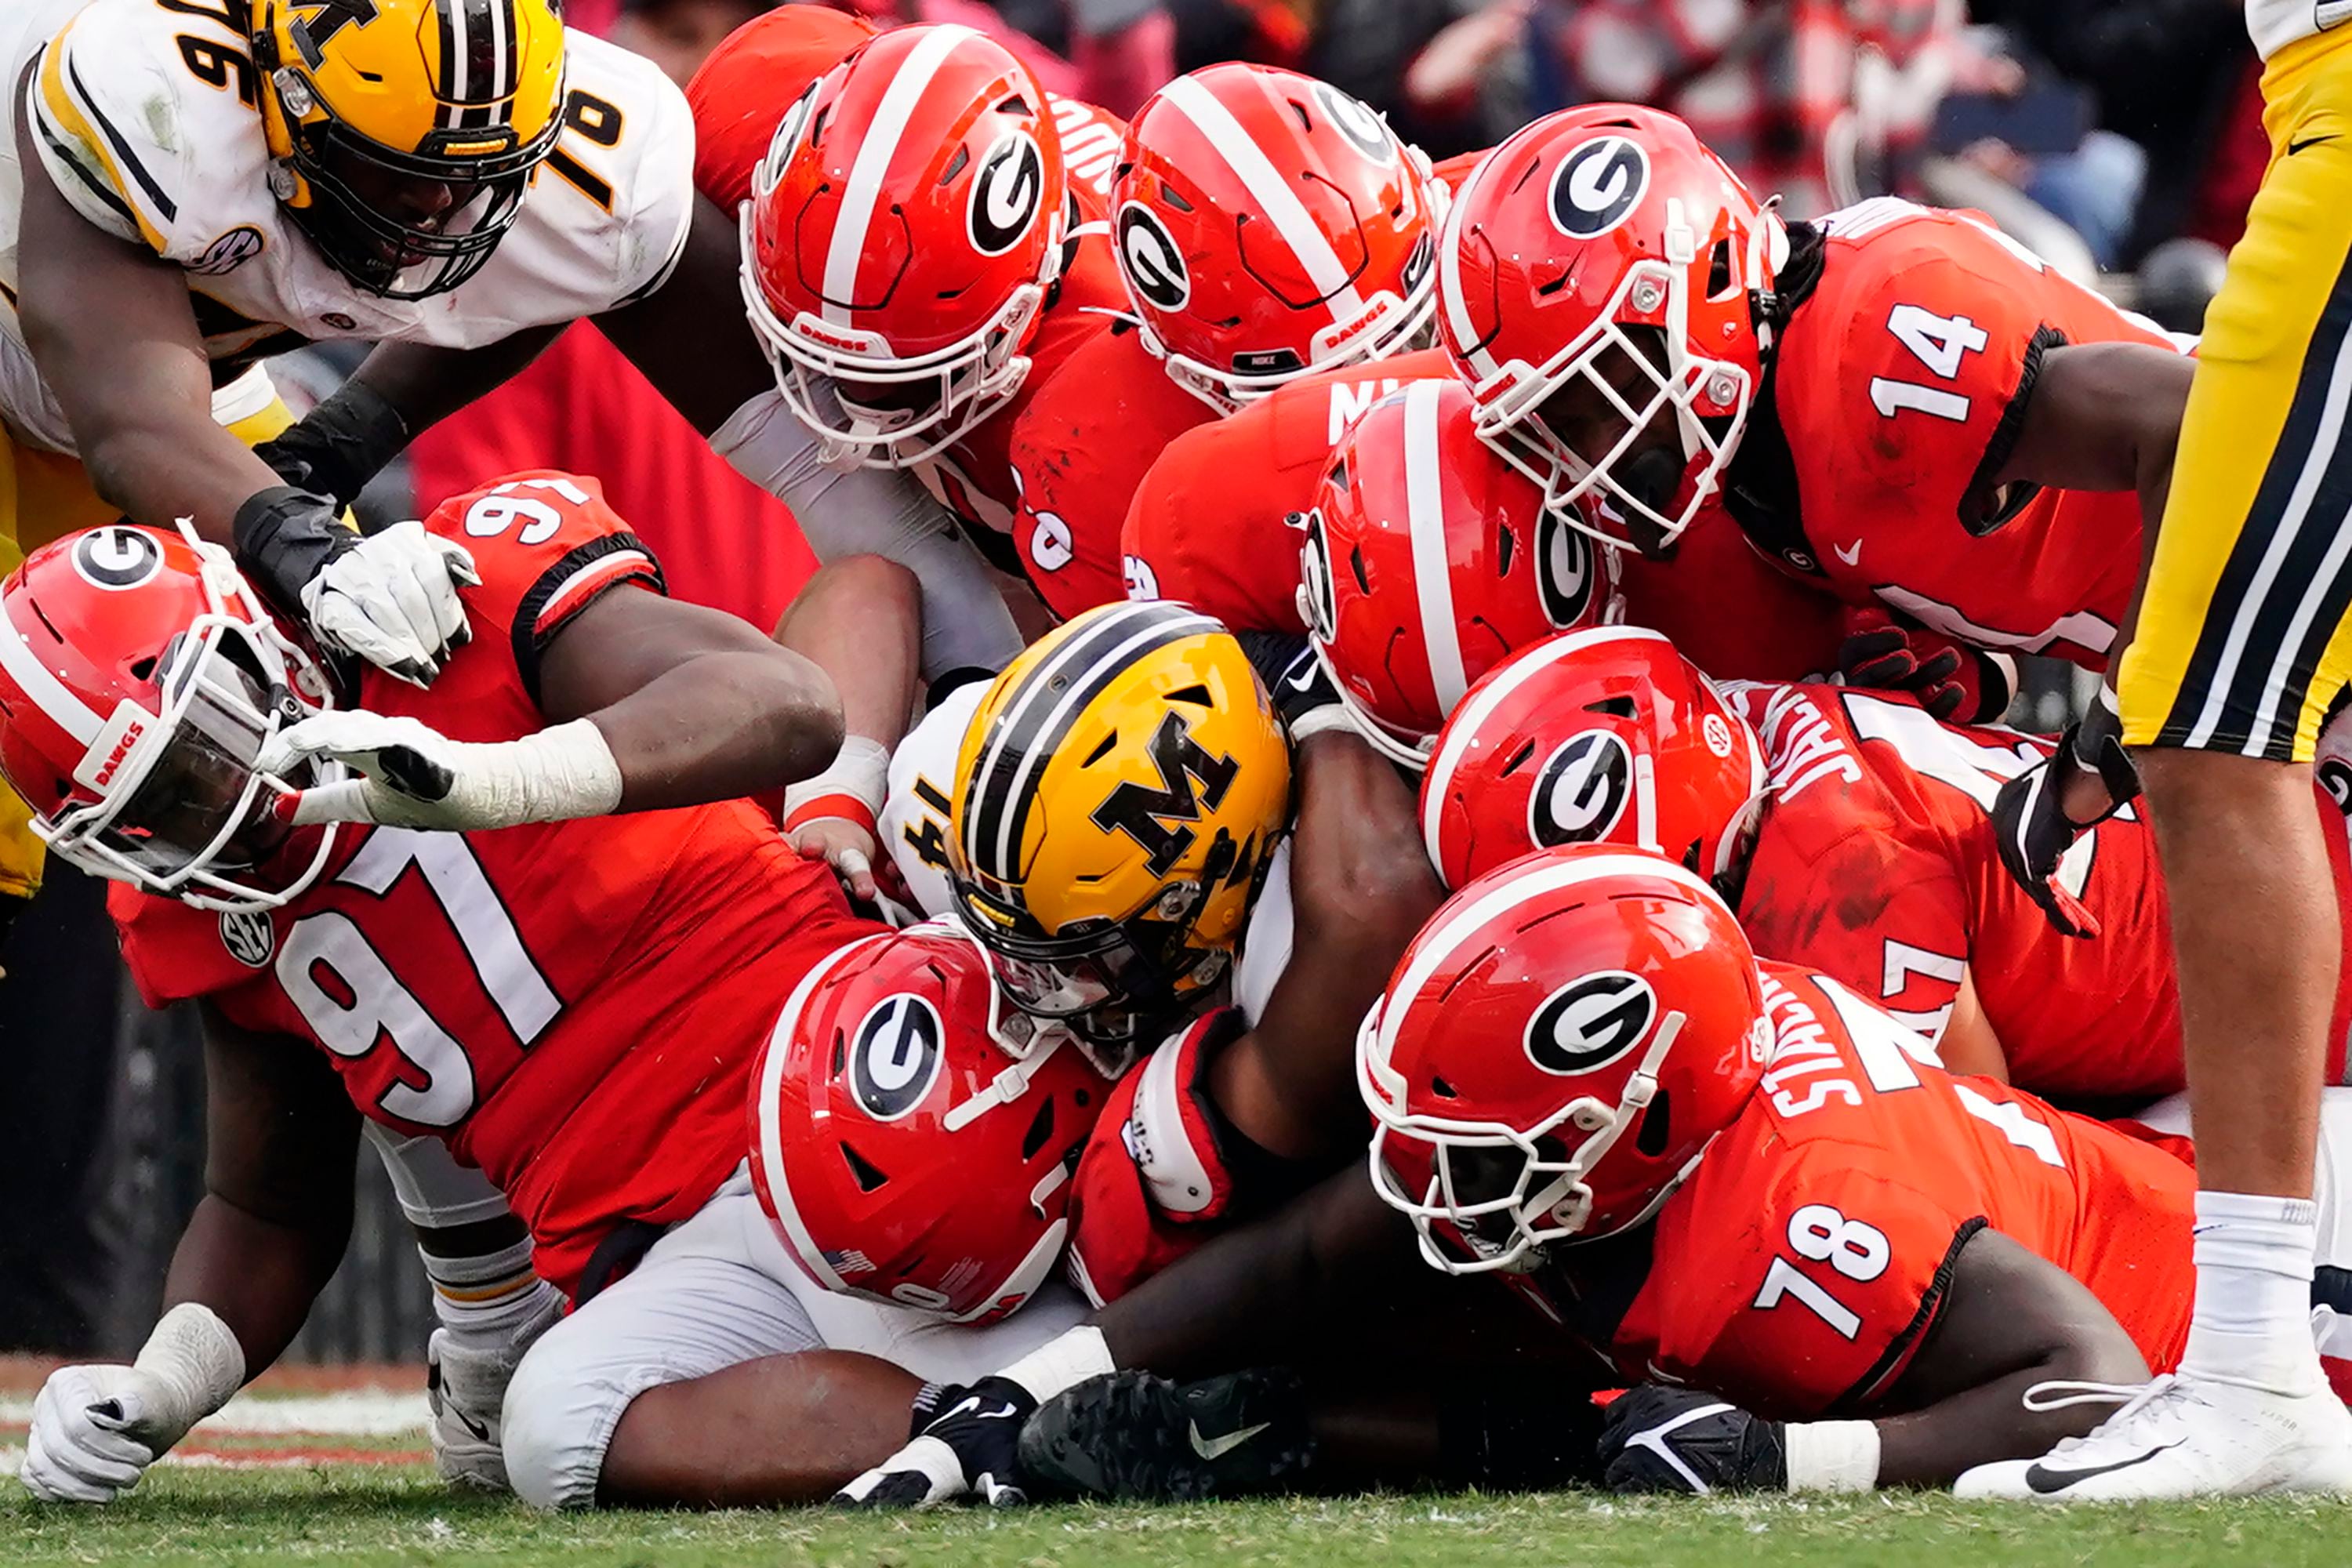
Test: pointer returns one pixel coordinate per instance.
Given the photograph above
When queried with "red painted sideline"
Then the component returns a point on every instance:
(23, 1375)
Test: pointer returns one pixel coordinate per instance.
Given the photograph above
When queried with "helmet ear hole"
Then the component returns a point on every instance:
(1041, 1129)
(867, 1176)
(1657, 1126)
(1719, 281)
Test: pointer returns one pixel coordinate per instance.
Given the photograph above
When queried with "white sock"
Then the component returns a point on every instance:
(2252, 1324)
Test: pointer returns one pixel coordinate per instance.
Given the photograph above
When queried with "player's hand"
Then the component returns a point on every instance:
(966, 1449)
(1659, 1439)
(2033, 824)
(1307, 700)
(1953, 681)
(94, 1433)
(848, 847)
(411, 775)
(391, 599)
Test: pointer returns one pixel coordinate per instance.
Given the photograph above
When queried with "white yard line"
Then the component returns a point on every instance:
(364, 1413)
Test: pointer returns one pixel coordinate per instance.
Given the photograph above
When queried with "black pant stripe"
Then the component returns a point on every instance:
(2229, 606)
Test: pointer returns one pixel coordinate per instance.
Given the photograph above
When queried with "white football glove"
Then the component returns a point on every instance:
(411, 775)
(466, 1382)
(97, 1428)
(965, 1450)
(392, 601)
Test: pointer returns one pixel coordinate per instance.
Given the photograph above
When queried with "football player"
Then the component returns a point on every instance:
(455, 943)
(1266, 226)
(456, 179)
(1831, 1264)
(1850, 831)
(1972, 506)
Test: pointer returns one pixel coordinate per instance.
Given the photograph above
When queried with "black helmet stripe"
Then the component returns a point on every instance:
(1038, 712)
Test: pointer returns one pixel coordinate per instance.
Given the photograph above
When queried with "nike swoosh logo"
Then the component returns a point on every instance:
(1849, 554)
(1305, 680)
(480, 1430)
(2294, 147)
(1218, 1447)
(2044, 1482)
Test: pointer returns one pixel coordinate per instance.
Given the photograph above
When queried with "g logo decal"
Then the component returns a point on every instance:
(1358, 121)
(895, 1057)
(1564, 569)
(1597, 185)
(1005, 194)
(118, 558)
(1592, 1022)
(1148, 255)
(1582, 790)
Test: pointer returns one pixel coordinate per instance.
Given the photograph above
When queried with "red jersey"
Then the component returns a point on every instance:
(573, 1007)
(1875, 863)
(1898, 385)
(1805, 1262)
(1079, 451)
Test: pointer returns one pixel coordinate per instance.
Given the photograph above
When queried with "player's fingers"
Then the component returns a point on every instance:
(1940, 666)
(48, 1482)
(855, 870)
(345, 800)
(1943, 702)
(342, 620)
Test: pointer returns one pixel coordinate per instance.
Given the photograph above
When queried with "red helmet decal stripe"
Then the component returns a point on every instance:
(1270, 191)
(871, 168)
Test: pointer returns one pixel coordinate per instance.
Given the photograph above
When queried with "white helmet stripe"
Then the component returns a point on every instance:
(770, 1151)
(869, 169)
(1424, 512)
(1271, 192)
(1463, 726)
(1436, 945)
(1449, 270)
(65, 710)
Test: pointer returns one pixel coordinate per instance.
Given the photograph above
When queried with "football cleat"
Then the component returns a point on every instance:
(1131, 1437)
(2183, 1437)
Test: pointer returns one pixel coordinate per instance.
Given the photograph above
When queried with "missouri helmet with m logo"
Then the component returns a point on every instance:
(1117, 800)
(403, 134)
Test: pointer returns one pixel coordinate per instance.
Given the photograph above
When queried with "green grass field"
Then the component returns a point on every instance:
(327, 1466)
(377, 1516)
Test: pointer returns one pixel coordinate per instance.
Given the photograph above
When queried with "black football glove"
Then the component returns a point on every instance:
(1307, 701)
(337, 448)
(2029, 824)
(1661, 1439)
(1953, 681)
(963, 1446)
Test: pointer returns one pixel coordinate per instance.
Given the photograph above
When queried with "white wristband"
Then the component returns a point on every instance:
(859, 774)
(1831, 1456)
(1063, 1362)
(567, 772)
(196, 1360)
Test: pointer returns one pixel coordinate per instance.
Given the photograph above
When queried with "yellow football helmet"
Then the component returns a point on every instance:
(1116, 802)
(403, 132)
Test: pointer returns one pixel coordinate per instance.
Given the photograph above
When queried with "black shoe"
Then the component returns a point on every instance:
(1136, 1437)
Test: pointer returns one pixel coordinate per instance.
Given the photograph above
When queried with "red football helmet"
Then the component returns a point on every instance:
(1606, 736)
(1596, 281)
(1427, 560)
(140, 680)
(1269, 225)
(913, 1135)
(1554, 1052)
(902, 234)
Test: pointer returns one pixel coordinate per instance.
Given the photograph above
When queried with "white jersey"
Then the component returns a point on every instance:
(2275, 24)
(144, 115)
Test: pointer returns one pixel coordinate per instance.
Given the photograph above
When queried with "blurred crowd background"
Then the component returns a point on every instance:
(2120, 139)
